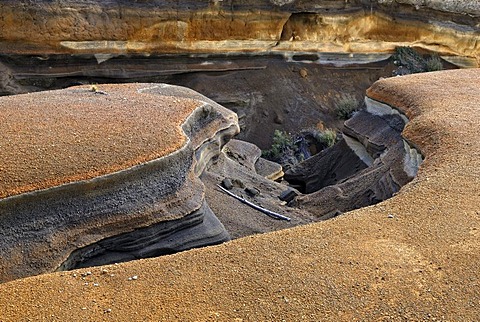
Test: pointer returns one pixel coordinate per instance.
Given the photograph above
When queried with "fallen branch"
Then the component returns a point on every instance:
(254, 206)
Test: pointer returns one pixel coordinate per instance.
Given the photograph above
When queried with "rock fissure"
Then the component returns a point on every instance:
(370, 164)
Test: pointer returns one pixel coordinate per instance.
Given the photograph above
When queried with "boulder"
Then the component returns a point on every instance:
(88, 172)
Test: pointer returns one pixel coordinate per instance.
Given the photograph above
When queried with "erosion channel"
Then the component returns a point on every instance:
(366, 160)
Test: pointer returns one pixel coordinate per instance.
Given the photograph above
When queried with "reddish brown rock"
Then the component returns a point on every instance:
(412, 257)
(81, 166)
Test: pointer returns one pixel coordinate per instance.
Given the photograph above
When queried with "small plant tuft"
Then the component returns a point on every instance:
(288, 149)
(94, 88)
(282, 144)
(327, 138)
(345, 106)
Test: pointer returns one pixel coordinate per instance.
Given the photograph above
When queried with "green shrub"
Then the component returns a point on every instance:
(412, 62)
(325, 138)
(288, 149)
(328, 137)
(282, 143)
(345, 106)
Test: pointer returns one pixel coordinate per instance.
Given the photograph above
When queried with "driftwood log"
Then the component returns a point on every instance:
(254, 206)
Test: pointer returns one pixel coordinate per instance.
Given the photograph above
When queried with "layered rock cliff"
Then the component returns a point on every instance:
(123, 27)
(93, 176)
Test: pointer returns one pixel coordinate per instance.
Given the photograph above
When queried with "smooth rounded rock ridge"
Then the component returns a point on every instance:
(85, 164)
(412, 257)
(57, 137)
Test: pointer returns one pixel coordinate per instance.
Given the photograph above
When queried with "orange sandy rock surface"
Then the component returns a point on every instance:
(57, 137)
(414, 257)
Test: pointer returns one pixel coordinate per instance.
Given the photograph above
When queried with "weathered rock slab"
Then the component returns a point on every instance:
(82, 165)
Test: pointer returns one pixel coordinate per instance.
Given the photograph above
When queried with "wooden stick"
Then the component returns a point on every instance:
(254, 206)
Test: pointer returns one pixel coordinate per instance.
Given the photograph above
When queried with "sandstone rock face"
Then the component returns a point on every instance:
(412, 257)
(105, 171)
(121, 27)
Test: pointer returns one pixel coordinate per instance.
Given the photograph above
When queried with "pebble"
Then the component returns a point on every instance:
(288, 195)
(133, 278)
(391, 216)
(227, 183)
(278, 119)
(252, 191)
(303, 72)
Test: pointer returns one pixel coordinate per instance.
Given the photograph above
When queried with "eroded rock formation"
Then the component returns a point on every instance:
(370, 164)
(121, 27)
(86, 168)
(412, 257)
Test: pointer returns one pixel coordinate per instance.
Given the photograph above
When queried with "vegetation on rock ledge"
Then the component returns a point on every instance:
(410, 61)
(288, 149)
(345, 106)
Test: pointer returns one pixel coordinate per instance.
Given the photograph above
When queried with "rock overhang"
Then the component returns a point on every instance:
(81, 165)
(204, 27)
(57, 137)
(417, 248)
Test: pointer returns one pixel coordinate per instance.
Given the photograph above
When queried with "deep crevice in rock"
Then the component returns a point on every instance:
(366, 167)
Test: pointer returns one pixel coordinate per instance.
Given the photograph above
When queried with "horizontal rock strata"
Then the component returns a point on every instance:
(199, 228)
(412, 257)
(82, 165)
(120, 27)
(370, 164)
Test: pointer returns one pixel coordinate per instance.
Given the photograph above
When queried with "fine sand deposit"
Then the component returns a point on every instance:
(413, 257)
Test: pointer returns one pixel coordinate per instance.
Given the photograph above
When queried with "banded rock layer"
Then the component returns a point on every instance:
(412, 257)
(370, 164)
(81, 166)
(121, 27)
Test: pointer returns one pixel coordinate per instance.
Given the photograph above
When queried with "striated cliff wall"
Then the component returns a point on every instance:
(120, 27)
